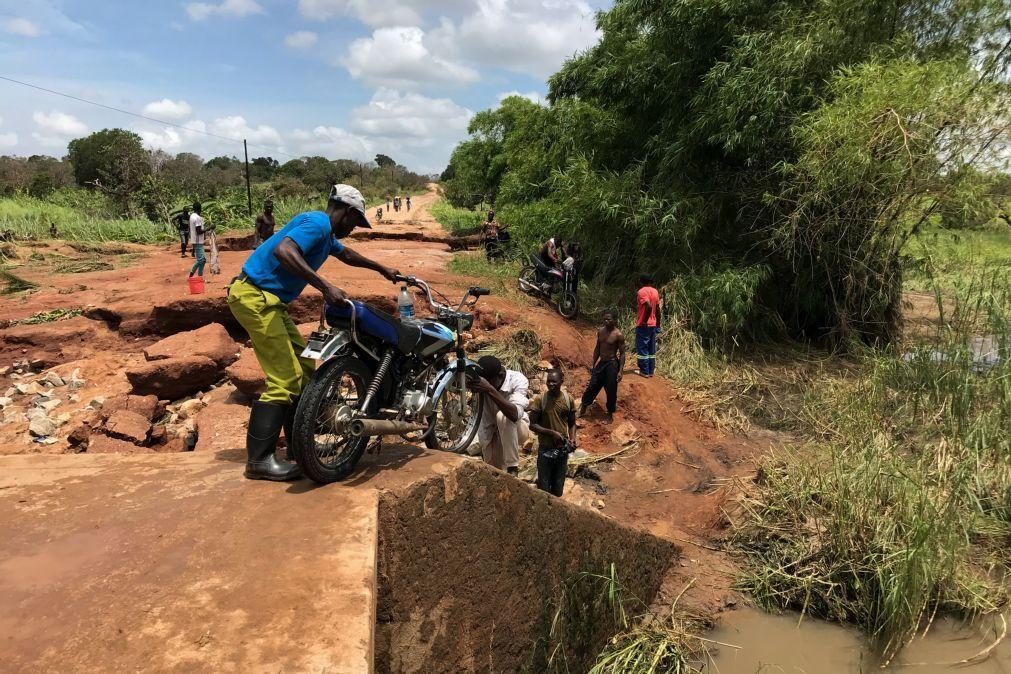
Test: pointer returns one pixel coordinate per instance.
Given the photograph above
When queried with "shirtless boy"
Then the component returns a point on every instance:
(608, 365)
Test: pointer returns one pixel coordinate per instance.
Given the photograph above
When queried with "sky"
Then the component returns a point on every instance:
(338, 78)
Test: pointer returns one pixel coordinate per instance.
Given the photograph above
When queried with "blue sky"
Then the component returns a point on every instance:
(341, 78)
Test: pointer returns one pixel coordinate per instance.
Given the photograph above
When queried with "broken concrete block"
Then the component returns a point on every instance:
(50, 405)
(174, 378)
(5, 401)
(624, 433)
(212, 341)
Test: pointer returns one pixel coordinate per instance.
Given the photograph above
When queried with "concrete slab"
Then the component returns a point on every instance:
(177, 563)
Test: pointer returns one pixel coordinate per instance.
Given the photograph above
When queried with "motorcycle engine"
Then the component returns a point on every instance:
(414, 402)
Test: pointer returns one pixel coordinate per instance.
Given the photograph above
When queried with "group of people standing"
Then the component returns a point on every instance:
(398, 202)
(199, 234)
(510, 416)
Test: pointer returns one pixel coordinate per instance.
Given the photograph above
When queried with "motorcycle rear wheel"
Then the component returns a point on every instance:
(322, 444)
(527, 279)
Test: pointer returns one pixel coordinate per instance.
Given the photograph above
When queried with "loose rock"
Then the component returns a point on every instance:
(51, 405)
(174, 378)
(97, 403)
(54, 379)
(127, 425)
(5, 401)
(624, 433)
(212, 341)
(246, 375)
(41, 427)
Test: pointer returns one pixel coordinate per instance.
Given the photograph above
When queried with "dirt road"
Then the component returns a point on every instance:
(668, 483)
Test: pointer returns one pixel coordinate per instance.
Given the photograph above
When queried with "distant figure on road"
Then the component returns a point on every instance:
(647, 325)
(505, 426)
(264, 224)
(197, 237)
(491, 231)
(379, 214)
(387, 203)
(608, 366)
(553, 419)
(408, 203)
(182, 223)
(53, 232)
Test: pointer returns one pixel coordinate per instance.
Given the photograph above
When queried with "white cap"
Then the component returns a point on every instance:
(352, 197)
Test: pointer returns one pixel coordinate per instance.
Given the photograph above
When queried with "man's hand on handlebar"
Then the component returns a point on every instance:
(391, 274)
(334, 295)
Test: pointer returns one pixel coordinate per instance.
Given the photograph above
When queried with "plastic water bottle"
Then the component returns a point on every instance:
(405, 304)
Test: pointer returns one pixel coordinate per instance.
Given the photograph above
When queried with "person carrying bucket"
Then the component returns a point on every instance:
(273, 276)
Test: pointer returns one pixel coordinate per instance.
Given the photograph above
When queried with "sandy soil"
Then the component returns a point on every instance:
(670, 485)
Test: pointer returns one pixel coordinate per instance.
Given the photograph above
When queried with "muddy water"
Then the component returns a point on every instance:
(776, 645)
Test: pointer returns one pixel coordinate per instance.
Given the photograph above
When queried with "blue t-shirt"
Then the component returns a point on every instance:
(312, 234)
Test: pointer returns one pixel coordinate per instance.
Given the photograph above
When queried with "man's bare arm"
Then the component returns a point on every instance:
(621, 354)
(596, 352)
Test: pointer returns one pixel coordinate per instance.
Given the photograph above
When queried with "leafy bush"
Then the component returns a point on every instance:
(457, 221)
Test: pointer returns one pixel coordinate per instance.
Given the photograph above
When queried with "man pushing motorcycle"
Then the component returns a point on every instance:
(273, 276)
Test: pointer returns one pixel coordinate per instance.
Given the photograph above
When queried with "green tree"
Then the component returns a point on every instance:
(113, 160)
(383, 161)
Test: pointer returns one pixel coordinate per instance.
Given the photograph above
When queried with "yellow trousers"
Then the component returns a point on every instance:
(276, 341)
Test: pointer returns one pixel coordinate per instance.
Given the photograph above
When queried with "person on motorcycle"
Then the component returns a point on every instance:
(549, 257)
(505, 424)
(273, 276)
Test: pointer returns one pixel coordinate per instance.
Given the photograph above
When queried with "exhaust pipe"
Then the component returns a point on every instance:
(369, 427)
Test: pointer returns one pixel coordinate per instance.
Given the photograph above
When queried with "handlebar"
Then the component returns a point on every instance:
(415, 282)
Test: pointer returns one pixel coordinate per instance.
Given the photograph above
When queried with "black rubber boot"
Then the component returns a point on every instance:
(513, 470)
(289, 424)
(265, 423)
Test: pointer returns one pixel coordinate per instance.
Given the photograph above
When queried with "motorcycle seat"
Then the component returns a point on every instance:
(376, 323)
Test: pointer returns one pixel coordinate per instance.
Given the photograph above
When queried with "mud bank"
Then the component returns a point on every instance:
(470, 563)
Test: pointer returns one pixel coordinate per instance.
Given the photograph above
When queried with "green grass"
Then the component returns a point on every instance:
(457, 221)
(947, 257)
(29, 218)
(13, 284)
(898, 505)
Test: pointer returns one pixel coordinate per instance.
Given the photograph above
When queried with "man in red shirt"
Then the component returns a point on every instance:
(647, 326)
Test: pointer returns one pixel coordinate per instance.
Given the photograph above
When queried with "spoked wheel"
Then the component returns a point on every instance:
(458, 414)
(323, 445)
(568, 304)
(527, 279)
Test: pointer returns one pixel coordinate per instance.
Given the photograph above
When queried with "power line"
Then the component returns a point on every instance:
(139, 116)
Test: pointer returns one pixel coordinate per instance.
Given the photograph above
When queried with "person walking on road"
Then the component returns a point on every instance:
(197, 239)
(182, 224)
(505, 425)
(647, 325)
(408, 203)
(273, 276)
(265, 224)
(553, 419)
(608, 366)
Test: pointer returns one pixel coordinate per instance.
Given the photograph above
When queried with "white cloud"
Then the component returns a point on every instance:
(168, 109)
(533, 37)
(330, 141)
(410, 118)
(22, 26)
(302, 39)
(60, 124)
(398, 57)
(236, 127)
(532, 96)
(199, 11)
(8, 139)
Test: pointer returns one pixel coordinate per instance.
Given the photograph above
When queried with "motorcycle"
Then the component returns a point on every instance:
(551, 284)
(382, 376)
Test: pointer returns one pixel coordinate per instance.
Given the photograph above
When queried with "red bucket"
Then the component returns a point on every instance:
(196, 285)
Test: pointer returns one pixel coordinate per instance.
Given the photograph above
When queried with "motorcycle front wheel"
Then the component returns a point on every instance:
(457, 417)
(322, 444)
(568, 304)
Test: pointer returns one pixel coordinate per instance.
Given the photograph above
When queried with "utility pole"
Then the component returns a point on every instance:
(249, 190)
